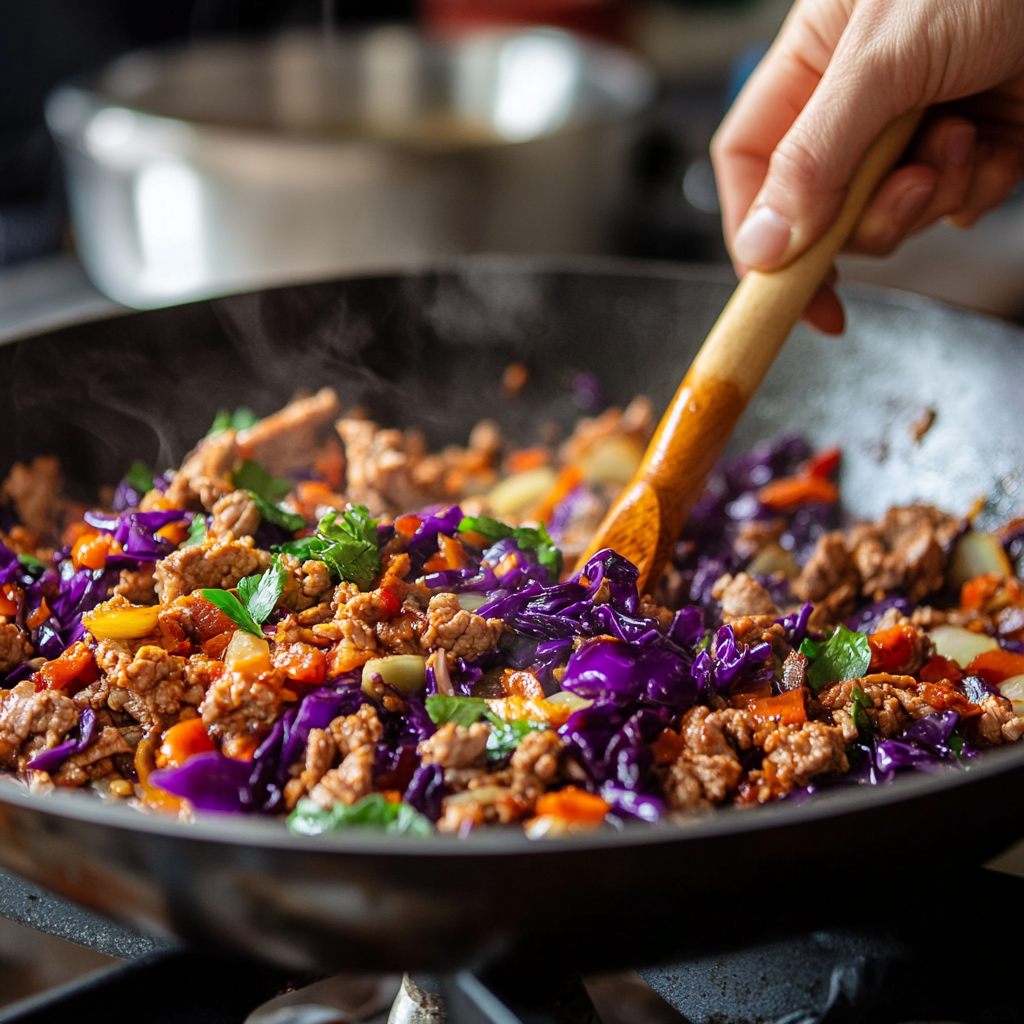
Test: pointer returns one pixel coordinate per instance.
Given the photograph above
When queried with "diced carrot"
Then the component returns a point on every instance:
(9, 598)
(977, 593)
(216, 646)
(823, 463)
(474, 539)
(301, 662)
(526, 458)
(940, 669)
(506, 565)
(90, 552)
(76, 531)
(786, 709)
(744, 698)
(668, 746)
(345, 658)
(39, 616)
(996, 666)
(407, 525)
(454, 552)
(573, 806)
(521, 684)
(182, 741)
(892, 649)
(312, 493)
(945, 698)
(240, 748)
(76, 664)
(331, 463)
(208, 619)
(145, 761)
(175, 533)
(568, 480)
(793, 491)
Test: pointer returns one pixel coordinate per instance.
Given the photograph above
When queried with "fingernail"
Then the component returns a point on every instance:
(913, 203)
(763, 237)
(959, 144)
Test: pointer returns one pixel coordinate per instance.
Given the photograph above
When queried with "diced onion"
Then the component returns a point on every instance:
(771, 559)
(247, 653)
(611, 460)
(571, 700)
(124, 623)
(1013, 688)
(976, 554)
(961, 645)
(470, 602)
(519, 493)
(407, 673)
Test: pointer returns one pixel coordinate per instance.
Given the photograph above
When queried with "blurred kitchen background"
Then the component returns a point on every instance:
(209, 146)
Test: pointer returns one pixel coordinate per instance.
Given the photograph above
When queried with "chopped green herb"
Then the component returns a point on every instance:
(139, 477)
(374, 811)
(506, 736)
(196, 532)
(241, 419)
(276, 514)
(251, 476)
(956, 744)
(460, 710)
(812, 648)
(859, 703)
(346, 544)
(846, 655)
(528, 539)
(257, 596)
(31, 562)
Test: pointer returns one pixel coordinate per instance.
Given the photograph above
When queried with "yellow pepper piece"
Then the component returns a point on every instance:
(124, 623)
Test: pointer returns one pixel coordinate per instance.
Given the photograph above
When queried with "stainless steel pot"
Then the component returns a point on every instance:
(223, 166)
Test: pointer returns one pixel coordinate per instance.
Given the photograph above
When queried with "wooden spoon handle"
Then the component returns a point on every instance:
(648, 516)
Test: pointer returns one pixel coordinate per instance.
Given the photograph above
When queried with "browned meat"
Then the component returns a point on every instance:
(237, 704)
(635, 422)
(34, 491)
(205, 475)
(754, 536)
(455, 746)
(47, 716)
(363, 729)
(996, 724)
(829, 578)
(308, 585)
(234, 516)
(349, 782)
(137, 585)
(534, 763)
(214, 564)
(15, 646)
(797, 753)
(286, 440)
(905, 550)
(379, 467)
(74, 770)
(320, 753)
(145, 681)
(481, 805)
(742, 596)
(463, 634)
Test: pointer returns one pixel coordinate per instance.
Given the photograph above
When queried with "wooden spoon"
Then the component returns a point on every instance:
(648, 516)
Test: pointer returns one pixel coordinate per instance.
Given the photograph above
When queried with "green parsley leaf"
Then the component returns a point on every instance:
(221, 422)
(812, 648)
(956, 744)
(486, 527)
(346, 545)
(31, 562)
(302, 548)
(241, 419)
(374, 811)
(462, 711)
(859, 703)
(196, 532)
(276, 514)
(846, 655)
(251, 476)
(139, 477)
(506, 736)
(529, 539)
(234, 610)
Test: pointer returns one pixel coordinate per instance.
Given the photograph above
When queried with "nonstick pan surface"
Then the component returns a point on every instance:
(428, 349)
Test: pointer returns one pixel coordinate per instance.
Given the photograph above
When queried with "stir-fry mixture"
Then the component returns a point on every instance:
(316, 618)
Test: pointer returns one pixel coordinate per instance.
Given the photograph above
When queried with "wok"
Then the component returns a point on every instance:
(428, 349)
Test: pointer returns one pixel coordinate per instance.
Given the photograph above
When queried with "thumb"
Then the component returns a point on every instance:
(811, 168)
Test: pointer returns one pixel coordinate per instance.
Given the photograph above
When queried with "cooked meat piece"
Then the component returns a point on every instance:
(308, 584)
(48, 715)
(635, 423)
(758, 629)
(363, 729)
(234, 516)
(379, 467)
(648, 608)
(996, 724)
(794, 671)
(755, 535)
(455, 746)
(214, 564)
(480, 806)
(887, 716)
(458, 779)
(349, 782)
(108, 743)
(137, 586)
(15, 646)
(35, 492)
(830, 577)
(204, 476)
(237, 703)
(147, 682)
(905, 550)
(320, 752)
(286, 440)
(534, 763)
(463, 634)
(797, 753)
(741, 595)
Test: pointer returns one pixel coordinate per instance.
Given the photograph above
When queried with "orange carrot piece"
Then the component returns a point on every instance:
(573, 806)
(301, 663)
(453, 551)
(9, 599)
(39, 616)
(75, 664)
(90, 552)
(240, 748)
(940, 669)
(822, 464)
(977, 593)
(521, 684)
(793, 491)
(744, 698)
(892, 649)
(407, 525)
(568, 480)
(182, 741)
(526, 459)
(173, 532)
(786, 709)
(154, 798)
(996, 666)
(667, 747)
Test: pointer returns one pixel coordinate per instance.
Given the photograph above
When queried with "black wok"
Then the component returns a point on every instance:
(429, 349)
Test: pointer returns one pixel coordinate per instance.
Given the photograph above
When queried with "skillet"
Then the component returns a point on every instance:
(428, 349)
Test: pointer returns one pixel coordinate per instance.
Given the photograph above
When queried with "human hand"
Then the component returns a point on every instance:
(838, 73)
